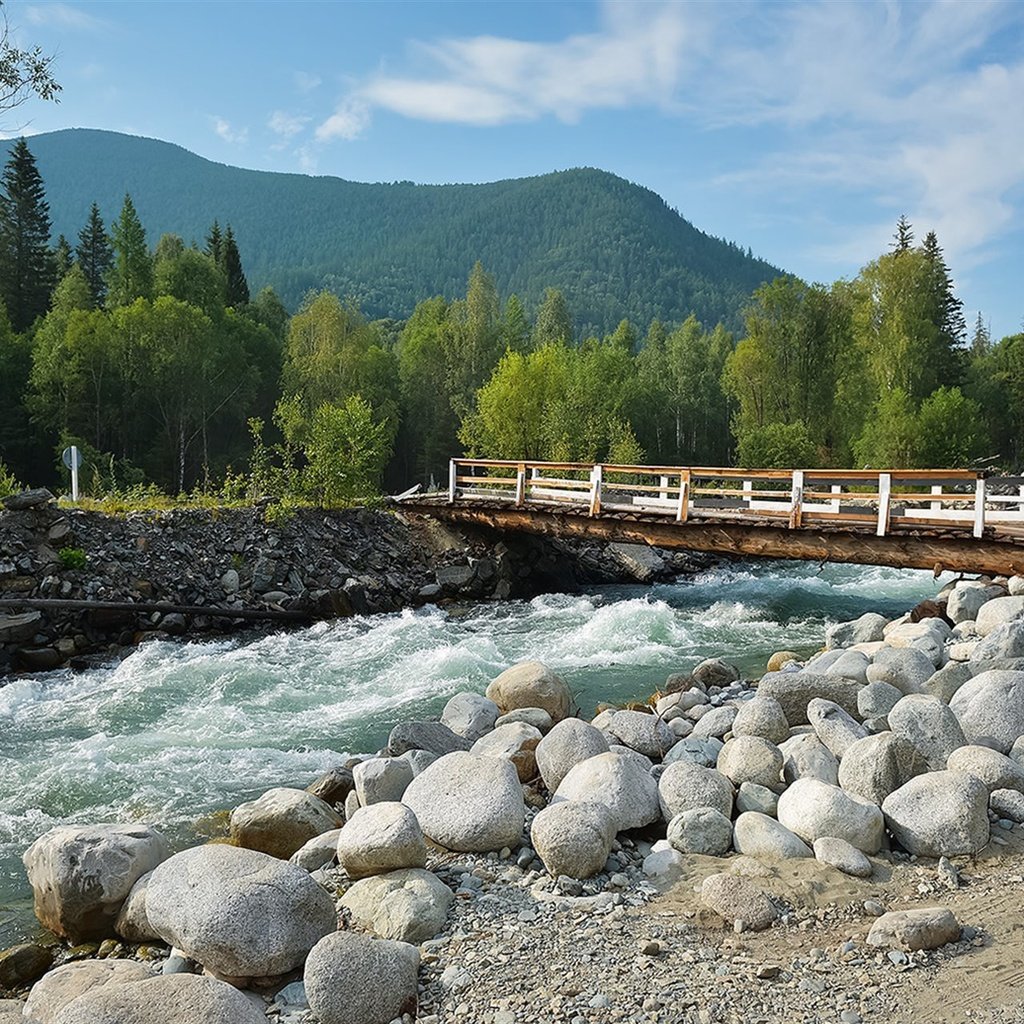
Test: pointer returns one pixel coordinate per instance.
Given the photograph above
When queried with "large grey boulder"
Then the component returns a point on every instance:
(930, 727)
(920, 928)
(751, 759)
(537, 717)
(837, 729)
(762, 716)
(804, 756)
(866, 629)
(990, 709)
(843, 856)
(714, 672)
(567, 744)
(353, 979)
(132, 922)
(850, 665)
(876, 700)
(470, 715)
(948, 680)
(906, 668)
(685, 786)
(738, 899)
(60, 986)
(795, 690)
(701, 750)
(752, 797)
(410, 905)
(941, 814)
(996, 770)
(82, 874)
(431, 736)
(877, 765)
(531, 684)
(618, 781)
(714, 723)
(379, 838)
(573, 838)
(382, 779)
(240, 913)
(813, 809)
(469, 803)
(1003, 648)
(644, 733)
(702, 830)
(318, 852)
(281, 821)
(997, 611)
(757, 835)
(516, 743)
(168, 999)
(967, 597)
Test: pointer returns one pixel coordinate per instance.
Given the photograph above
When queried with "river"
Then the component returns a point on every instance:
(177, 730)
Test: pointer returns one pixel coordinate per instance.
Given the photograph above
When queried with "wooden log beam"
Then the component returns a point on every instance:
(210, 611)
(959, 554)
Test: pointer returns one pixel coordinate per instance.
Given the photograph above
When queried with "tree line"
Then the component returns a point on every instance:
(158, 363)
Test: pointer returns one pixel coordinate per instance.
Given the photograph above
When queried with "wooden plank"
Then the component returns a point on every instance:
(683, 510)
(521, 485)
(595, 491)
(796, 499)
(646, 488)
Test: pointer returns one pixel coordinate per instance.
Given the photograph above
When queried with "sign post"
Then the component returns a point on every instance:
(72, 458)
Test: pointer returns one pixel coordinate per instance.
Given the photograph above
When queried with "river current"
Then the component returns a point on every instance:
(175, 731)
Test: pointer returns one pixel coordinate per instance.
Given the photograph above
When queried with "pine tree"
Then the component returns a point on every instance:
(554, 324)
(214, 244)
(231, 263)
(981, 343)
(63, 258)
(904, 237)
(131, 274)
(948, 314)
(26, 262)
(95, 255)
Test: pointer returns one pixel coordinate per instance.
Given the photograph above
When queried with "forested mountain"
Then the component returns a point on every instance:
(615, 249)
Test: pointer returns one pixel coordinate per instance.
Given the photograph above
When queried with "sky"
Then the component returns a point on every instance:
(801, 130)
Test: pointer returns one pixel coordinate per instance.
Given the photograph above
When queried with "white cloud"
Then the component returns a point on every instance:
(225, 131)
(62, 16)
(287, 125)
(305, 81)
(348, 121)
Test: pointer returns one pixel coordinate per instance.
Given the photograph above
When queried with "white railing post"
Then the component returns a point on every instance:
(935, 506)
(452, 472)
(596, 474)
(748, 493)
(979, 507)
(521, 484)
(796, 499)
(683, 508)
(663, 483)
(884, 489)
(836, 489)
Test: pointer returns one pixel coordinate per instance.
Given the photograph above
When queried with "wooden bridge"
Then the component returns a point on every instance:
(939, 519)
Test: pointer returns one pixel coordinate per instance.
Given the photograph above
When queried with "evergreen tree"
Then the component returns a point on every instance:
(214, 243)
(63, 259)
(231, 263)
(903, 240)
(948, 315)
(554, 325)
(981, 342)
(26, 262)
(95, 255)
(131, 274)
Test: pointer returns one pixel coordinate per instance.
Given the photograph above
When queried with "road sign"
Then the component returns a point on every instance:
(73, 460)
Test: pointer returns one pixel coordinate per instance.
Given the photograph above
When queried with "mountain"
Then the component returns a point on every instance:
(616, 249)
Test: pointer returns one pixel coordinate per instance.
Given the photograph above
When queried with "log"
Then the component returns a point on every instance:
(69, 605)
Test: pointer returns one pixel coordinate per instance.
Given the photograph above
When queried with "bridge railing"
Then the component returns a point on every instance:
(879, 498)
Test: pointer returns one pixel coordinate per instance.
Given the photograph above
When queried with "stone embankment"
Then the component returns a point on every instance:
(513, 863)
(323, 564)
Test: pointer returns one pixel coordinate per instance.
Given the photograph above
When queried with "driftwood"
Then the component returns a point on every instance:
(211, 611)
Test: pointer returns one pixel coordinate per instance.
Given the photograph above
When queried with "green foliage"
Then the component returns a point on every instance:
(95, 255)
(131, 272)
(8, 483)
(948, 430)
(777, 446)
(72, 558)
(890, 437)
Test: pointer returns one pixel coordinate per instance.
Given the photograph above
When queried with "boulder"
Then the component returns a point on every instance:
(470, 715)
(685, 786)
(876, 700)
(82, 874)
(997, 611)
(537, 717)
(804, 756)
(10, 1011)
(996, 770)
(23, 964)
(418, 760)
(843, 856)
(967, 597)
(762, 716)
(930, 727)
(780, 659)
(531, 684)
(168, 999)
(833, 726)
(1015, 585)
(757, 835)
(573, 838)
(906, 668)
(751, 759)
(432, 736)
(701, 830)
(410, 905)
(738, 899)
(1007, 803)
(353, 979)
(282, 820)
(920, 928)
(61, 986)
(702, 750)
(644, 733)
(620, 783)
(379, 838)
(1003, 648)
(876, 766)
(382, 779)
(333, 786)
(516, 743)
(752, 797)
(132, 922)
(947, 680)
(714, 672)
(714, 723)
(240, 913)
(866, 629)
(850, 665)
(566, 745)
(795, 690)
(319, 852)
(990, 708)
(941, 814)
(468, 803)
(813, 809)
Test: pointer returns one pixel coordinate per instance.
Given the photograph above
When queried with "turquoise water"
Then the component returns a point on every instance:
(177, 730)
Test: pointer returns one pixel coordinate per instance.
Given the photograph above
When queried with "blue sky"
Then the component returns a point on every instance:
(800, 129)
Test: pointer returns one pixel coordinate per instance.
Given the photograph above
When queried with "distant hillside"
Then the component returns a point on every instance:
(616, 249)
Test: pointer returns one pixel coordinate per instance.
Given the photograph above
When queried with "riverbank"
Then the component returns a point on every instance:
(311, 564)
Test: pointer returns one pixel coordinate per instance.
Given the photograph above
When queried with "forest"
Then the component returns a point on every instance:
(172, 378)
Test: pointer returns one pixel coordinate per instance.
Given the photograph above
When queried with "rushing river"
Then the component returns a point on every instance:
(177, 730)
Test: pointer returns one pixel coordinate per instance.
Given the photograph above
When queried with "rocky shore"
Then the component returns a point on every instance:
(313, 563)
(840, 840)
